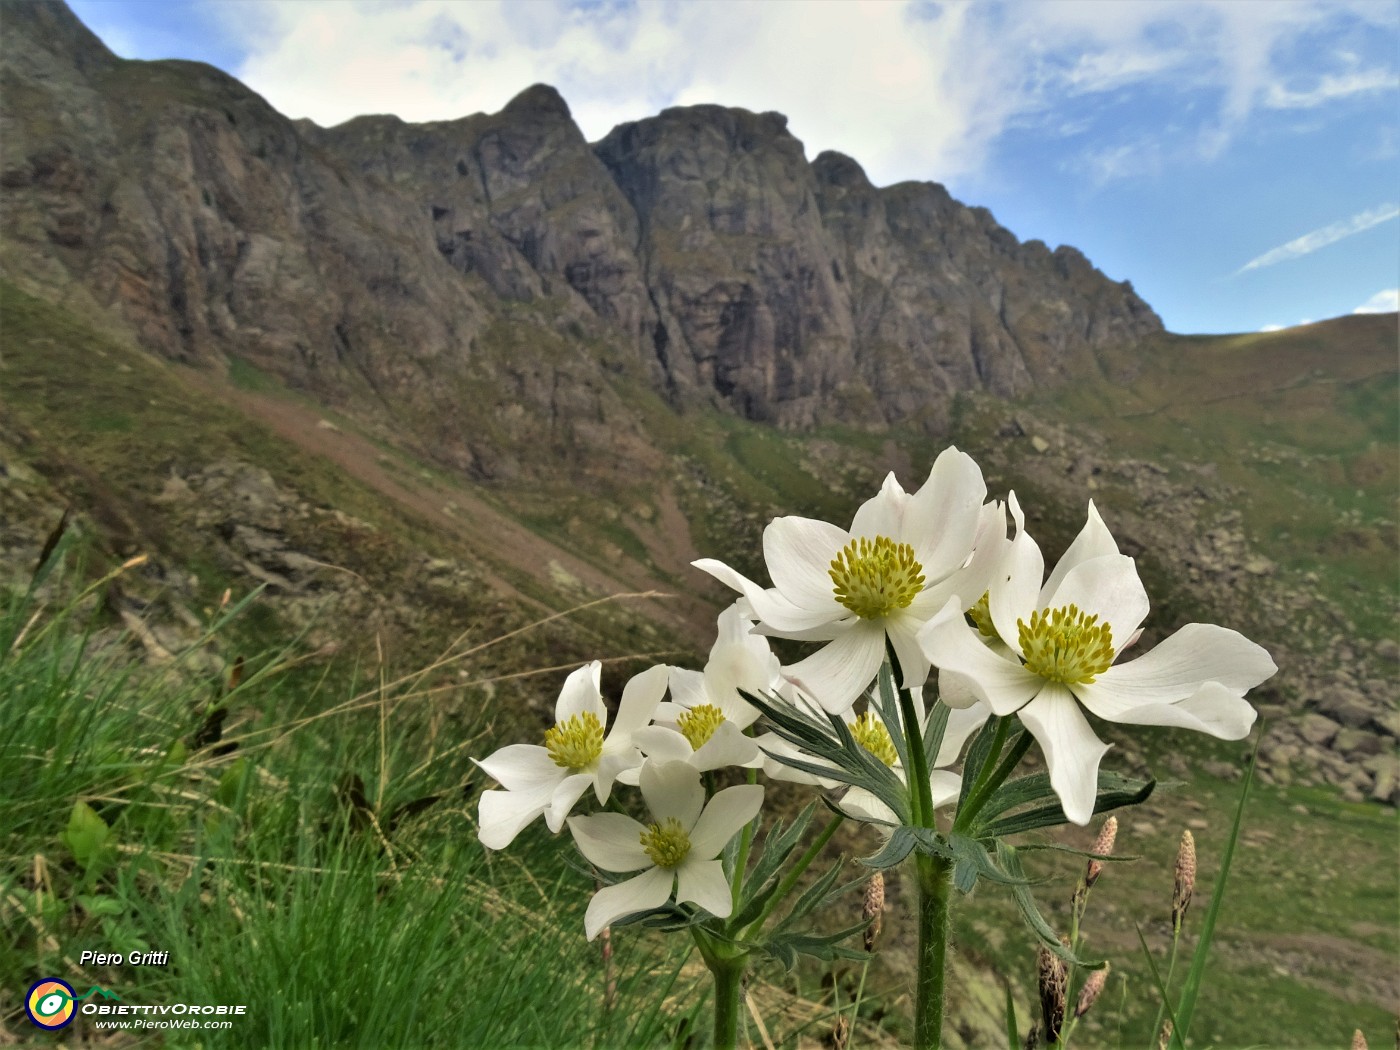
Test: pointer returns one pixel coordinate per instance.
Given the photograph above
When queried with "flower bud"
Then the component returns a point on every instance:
(840, 1033)
(1185, 882)
(1092, 989)
(1164, 1038)
(1051, 972)
(1103, 846)
(1358, 1041)
(874, 908)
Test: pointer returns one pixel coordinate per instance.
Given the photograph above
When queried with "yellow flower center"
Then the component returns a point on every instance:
(666, 843)
(981, 616)
(873, 579)
(1065, 645)
(699, 724)
(871, 734)
(575, 743)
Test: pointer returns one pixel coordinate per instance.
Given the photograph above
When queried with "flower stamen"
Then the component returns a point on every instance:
(980, 616)
(873, 579)
(666, 843)
(871, 734)
(575, 743)
(699, 724)
(1066, 645)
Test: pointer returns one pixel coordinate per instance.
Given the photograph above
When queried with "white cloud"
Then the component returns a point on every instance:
(1383, 302)
(1330, 88)
(1330, 234)
(911, 90)
(1273, 328)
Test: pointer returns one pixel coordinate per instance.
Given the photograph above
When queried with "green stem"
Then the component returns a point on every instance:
(1167, 984)
(935, 890)
(790, 880)
(729, 980)
(921, 792)
(745, 841)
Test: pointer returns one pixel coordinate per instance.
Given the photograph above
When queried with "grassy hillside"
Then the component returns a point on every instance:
(1293, 433)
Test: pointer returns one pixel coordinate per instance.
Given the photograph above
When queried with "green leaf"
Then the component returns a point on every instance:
(1157, 980)
(971, 851)
(1019, 792)
(98, 906)
(1025, 903)
(929, 842)
(899, 846)
(235, 778)
(86, 834)
(818, 894)
(934, 731)
(977, 756)
(1013, 1041)
(1186, 1006)
(1115, 791)
(965, 875)
(888, 705)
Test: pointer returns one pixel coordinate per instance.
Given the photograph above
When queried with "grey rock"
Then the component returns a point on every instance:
(1347, 706)
(1318, 729)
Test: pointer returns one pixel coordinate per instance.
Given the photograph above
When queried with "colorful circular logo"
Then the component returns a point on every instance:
(50, 1003)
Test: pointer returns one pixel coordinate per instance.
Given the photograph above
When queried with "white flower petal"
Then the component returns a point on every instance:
(883, 514)
(672, 789)
(1213, 708)
(944, 787)
(944, 513)
(1199, 652)
(521, 767)
(771, 744)
(651, 889)
(1223, 712)
(1072, 751)
(962, 724)
(702, 882)
(836, 674)
(798, 553)
(582, 692)
(663, 744)
(903, 633)
(613, 841)
(1108, 587)
(726, 813)
(1004, 685)
(687, 690)
(639, 699)
(565, 796)
(611, 766)
(863, 805)
(728, 746)
(502, 815)
(1094, 541)
(1014, 592)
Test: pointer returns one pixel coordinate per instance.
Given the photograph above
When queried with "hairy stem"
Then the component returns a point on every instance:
(935, 890)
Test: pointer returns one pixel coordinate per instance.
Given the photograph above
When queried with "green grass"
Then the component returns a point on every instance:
(338, 918)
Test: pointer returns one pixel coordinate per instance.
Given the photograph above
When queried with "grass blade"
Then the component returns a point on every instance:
(1186, 1006)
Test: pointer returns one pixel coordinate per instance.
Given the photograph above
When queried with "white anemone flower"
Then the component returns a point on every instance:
(903, 557)
(679, 850)
(1059, 643)
(576, 755)
(705, 721)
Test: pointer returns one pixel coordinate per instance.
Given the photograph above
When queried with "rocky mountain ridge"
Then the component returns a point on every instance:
(502, 260)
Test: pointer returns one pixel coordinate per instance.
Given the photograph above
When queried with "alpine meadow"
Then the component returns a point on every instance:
(464, 585)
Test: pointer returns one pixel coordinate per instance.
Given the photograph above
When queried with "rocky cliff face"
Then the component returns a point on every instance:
(471, 280)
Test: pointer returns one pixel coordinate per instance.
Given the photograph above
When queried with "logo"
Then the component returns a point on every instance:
(50, 1002)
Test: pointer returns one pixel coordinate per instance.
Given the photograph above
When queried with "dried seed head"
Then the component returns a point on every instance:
(1358, 1041)
(873, 908)
(1032, 1037)
(1164, 1038)
(1103, 845)
(1185, 883)
(840, 1033)
(1092, 989)
(1051, 973)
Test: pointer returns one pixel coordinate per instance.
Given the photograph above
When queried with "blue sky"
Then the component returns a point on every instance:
(1237, 160)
